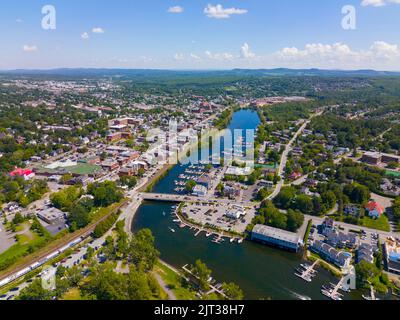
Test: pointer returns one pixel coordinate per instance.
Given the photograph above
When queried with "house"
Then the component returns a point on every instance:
(295, 176)
(351, 210)
(365, 252)
(374, 209)
(27, 174)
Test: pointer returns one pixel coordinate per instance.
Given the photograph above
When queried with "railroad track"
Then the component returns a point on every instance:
(45, 252)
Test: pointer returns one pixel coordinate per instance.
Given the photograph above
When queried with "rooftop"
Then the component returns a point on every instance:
(276, 233)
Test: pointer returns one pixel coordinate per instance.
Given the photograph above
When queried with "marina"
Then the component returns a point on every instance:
(261, 272)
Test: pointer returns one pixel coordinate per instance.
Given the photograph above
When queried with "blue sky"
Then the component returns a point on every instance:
(200, 34)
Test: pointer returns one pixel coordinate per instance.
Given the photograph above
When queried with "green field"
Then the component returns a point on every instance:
(175, 282)
(392, 173)
(25, 244)
(379, 224)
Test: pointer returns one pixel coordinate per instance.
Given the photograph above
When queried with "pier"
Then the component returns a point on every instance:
(308, 273)
(213, 288)
(334, 293)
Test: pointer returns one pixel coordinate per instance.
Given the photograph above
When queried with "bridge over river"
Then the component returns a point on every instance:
(182, 198)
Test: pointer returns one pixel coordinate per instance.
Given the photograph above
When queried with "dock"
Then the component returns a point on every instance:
(334, 293)
(213, 288)
(308, 273)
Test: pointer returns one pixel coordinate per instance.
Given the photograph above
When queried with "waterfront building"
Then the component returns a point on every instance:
(235, 212)
(276, 237)
(339, 258)
(200, 191)
(392, 255)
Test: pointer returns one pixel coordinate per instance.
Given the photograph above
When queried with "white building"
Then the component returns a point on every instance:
(235, 212)
(199, 191)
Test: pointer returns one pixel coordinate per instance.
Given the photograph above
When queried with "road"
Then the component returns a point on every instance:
(183, 198)
(285, 155)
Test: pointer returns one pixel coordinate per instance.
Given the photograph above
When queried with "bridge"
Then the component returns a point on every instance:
(164, 197)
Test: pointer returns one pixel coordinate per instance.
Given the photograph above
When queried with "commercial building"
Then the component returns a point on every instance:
(276, 237)
(235, 212)
(373, 158)
(200, 191)
(51, 215)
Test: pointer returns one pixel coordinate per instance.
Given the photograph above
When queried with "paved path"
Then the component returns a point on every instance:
(168, 291)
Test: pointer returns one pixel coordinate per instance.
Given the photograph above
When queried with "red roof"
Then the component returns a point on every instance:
(372, 205)
(21, 172)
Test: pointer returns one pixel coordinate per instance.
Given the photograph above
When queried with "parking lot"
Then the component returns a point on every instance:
(215, 216)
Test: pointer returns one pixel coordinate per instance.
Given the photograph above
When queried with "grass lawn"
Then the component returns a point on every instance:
(379, 224)
(175, 282)
(21, 248)
(72, 294)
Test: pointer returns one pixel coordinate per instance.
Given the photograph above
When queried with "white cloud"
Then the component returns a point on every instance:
(85, 35)
(179, 56)
(219, 12)
(98, 30)
(176, 9)
(220, 56)
(29, 48)
(246, 53)
(378, 3)
(380, 55)
(194, 56)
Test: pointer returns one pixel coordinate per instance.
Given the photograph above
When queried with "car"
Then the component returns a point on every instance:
(11, 297)
(14, 289)
(3, 296)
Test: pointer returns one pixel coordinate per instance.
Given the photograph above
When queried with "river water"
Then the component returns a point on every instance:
(262, 272)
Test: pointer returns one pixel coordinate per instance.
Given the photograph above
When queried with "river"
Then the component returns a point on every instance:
(262, 272)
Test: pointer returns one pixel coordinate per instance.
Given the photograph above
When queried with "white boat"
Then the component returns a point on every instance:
(240, 241)
(172, 230)
(232, 240)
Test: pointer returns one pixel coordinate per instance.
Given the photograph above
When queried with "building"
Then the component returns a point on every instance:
(235, 212)
(205, 181)
(365, 252)
(374, 209)
(351, 210)
(373, 158)
(392, 255)
(127, 172)
(339, 258)
(236, 171)
(27, 174)
(199, 191)
(340, 239)
(376, 158)
(110, 165)
(276, 237)
(51, 215)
